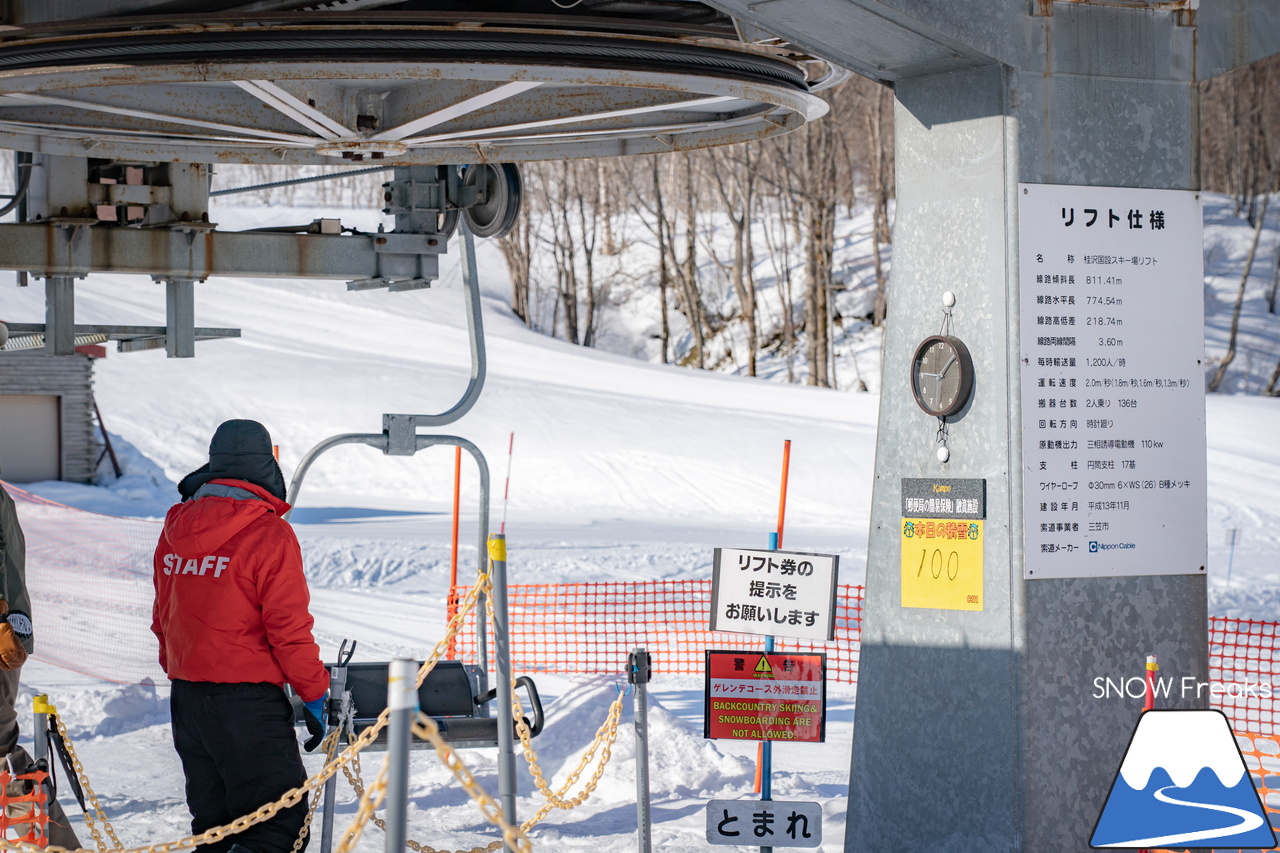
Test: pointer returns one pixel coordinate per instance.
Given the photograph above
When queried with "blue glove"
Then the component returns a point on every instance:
(313, 715)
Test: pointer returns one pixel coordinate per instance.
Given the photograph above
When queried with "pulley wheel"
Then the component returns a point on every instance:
(498, 204)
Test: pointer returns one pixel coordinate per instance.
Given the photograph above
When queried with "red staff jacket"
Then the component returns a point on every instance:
(231, 597)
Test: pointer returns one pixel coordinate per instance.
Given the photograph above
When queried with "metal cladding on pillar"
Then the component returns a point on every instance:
(980, 730)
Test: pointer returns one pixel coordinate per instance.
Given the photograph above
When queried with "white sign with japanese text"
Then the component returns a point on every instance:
(764, 823)
(780, 593)
(1112, 342)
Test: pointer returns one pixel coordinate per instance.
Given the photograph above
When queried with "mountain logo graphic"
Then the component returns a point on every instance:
(1183, 781)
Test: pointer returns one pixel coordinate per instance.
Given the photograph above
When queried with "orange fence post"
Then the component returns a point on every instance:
(506, 488)
(1152, 669)
(782, 497)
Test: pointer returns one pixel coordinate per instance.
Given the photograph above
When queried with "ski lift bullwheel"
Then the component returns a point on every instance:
(498, 194)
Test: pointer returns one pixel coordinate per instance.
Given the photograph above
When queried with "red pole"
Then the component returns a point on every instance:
(506, 489)
(782, 497)
(452, 608)
(1150, 704)
(1152, 669)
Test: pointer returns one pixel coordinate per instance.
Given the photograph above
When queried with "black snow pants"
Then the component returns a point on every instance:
(239, 751)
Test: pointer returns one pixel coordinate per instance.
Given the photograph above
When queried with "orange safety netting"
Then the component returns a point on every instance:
(1262, 757)
(24, 807)
(1244, 662)
(90, 577)
(591, 627)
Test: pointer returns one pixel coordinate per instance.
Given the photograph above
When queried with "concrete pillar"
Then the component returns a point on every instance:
(978, 730)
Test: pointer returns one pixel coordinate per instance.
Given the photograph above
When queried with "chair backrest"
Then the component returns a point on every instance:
(448, 691)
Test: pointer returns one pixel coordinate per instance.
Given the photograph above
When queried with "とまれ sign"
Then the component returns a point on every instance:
(768, 823)
(766, 696)
(780, 593)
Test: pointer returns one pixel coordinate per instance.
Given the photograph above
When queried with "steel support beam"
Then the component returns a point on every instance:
(195, 253)
(901, 39)
(60, 315)
(180, 318)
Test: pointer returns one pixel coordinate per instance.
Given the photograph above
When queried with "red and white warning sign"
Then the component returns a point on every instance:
(766, 696)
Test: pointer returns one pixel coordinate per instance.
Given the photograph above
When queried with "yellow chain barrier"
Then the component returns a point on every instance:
(330, 746)
(92, 798)
(514, 838)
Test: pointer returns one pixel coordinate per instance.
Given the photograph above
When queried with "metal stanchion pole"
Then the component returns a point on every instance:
(40, 748)
(639, 667)
(402, 700)
(337, 686)
(502, 672)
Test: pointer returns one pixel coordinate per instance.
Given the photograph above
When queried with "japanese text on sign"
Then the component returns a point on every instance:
(942, 564)
(765, 696)
(944, 498)
(768, 823)
(774, 592)
(1113, 424)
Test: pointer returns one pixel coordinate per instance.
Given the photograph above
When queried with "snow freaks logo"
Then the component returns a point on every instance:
(1182, 781)
(1136, 687)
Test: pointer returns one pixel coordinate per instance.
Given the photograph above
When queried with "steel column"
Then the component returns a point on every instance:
(60, 315)
(993, 711)
(180, 318)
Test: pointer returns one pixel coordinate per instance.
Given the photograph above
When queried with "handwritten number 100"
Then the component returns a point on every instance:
(952, 563)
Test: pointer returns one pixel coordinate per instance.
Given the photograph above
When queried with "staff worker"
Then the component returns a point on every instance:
(231, 614)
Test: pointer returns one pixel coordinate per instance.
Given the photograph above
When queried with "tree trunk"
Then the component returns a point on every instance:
(517, 251)
(1244, 281)
(664, 273)
(817, 326)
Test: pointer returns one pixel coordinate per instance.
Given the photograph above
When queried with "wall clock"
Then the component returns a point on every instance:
(941, 375)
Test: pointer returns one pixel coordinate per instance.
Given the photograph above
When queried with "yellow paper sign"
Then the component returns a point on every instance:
(942, 563)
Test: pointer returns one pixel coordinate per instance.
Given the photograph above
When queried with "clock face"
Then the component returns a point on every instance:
(941, 375)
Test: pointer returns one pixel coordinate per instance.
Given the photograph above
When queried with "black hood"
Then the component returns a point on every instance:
(239, 450)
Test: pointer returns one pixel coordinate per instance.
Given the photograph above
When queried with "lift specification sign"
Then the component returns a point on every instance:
(766, 696)
(1112, 349)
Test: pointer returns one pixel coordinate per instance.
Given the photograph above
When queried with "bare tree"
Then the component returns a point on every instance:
(733, 174)
(669, 221)
(1244, 281)
(517, 250)
(1240, 131)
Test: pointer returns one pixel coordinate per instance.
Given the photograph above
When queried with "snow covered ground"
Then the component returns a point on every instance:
(621, 469)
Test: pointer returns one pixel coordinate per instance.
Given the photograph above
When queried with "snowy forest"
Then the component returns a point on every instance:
(729, 259)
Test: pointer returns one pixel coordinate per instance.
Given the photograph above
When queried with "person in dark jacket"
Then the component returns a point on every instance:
(231, 614)
(17, 640)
